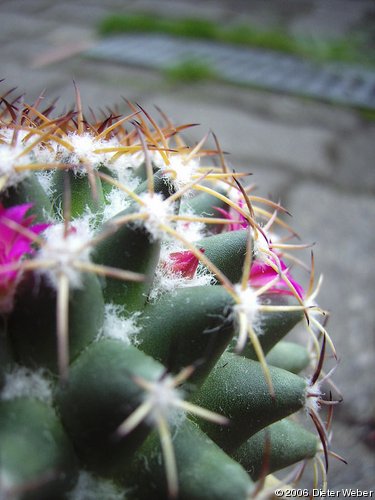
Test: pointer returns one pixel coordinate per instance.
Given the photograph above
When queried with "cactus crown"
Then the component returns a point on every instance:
(144, 296)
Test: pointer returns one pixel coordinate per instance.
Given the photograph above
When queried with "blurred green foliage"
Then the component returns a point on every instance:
(190, 70)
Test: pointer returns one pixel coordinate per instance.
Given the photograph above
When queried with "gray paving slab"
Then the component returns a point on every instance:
(355, 154)
(28, 81)
(22, 26)
(282, 108)
(25, 6)
(331, 18)
(342, 224)
(339, 83)
(80, 13)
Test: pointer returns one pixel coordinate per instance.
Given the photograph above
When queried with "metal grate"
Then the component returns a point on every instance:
(335, 82)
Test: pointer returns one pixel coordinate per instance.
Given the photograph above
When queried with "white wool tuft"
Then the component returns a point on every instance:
(192, 231)
(157, 210)
(117, 201)
(9, 160)
(261, 246)
(164, 398)
(248, 303)
(167, 282)
(89, 487)
(84, 151)
(44, 154)
(65, 250)
(24, 382)
(179, 170)
(118, 326)
(45, 178)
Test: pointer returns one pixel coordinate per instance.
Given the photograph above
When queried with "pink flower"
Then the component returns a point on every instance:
(184, 263)
(14, 244)
(261, 274)
(241, 223)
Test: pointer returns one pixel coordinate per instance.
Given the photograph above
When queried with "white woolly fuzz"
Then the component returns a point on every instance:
(89, 487)
(157, 210)
(179, 170)
(164, 398)
(9, 160)
(117, 201)
(117, 326)
(45, 178)
(47, 154)
(85, 148)
(166, 281)
(192, 231)
(261, 246)
(24, 382)
(65, 250)
(248, 303)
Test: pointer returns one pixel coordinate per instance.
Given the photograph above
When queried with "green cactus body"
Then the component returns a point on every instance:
(32, 324)
(84, 195)
(288, 443)
(235, 386)
(29, 190)
(289, 356)
(144, 299)
(36, 456)
(204, 332)
(104, 373)
(206, 471)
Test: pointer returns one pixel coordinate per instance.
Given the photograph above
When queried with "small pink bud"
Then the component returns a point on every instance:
(184, 263)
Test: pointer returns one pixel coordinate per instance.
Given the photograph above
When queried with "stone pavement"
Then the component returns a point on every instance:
(318, 159)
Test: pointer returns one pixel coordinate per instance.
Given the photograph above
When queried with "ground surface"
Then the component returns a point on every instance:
(318, 159)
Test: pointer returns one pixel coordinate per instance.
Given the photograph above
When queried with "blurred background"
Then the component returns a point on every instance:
(288, 87)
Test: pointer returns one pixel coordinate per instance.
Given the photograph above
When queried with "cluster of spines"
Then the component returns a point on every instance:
(250, 300)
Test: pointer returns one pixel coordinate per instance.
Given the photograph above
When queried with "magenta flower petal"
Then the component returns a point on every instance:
(233, 226)
(184, 263)
(261, 274)
(14, 244)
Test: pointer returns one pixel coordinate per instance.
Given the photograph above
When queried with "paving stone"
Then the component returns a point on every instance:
(23, 53)
(355, 159)
(28, 81)
(25, 6)
(282, 108)
(102, 93)
(343, 226)
(77, 12)
(301, 149)
(349, 442)
(331, 18)
(17, 26)
(242, 65)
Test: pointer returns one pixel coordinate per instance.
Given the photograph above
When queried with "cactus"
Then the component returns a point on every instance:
(144, 296)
